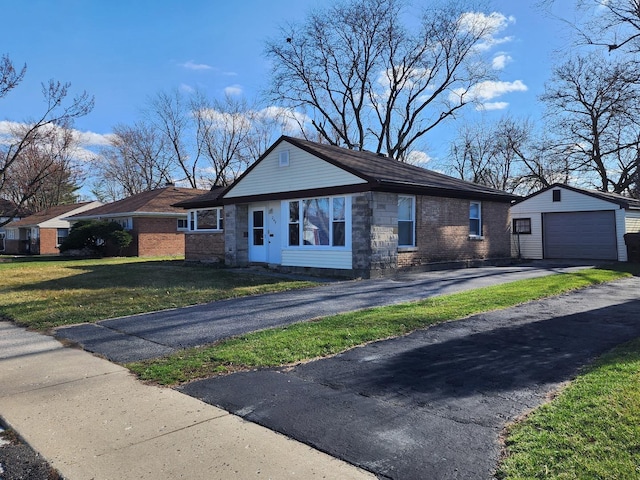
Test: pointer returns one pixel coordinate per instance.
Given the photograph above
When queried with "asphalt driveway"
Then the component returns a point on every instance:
(151, 335)
(432, 404)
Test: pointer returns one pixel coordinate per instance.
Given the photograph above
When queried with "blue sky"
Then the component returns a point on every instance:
(122, 51)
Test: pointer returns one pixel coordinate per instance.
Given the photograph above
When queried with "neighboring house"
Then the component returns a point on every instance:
(43, 232)
(563, 222)
(309, 207)
(6, 208)
(156, 226)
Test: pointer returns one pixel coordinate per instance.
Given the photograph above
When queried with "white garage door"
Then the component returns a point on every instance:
(587, 235)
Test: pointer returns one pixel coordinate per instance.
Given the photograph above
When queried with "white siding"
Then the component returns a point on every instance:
(528, 245)
(304, 171)
(570, 201)
(317, 258)
(622, 247)
(632, 222)
(57, 222)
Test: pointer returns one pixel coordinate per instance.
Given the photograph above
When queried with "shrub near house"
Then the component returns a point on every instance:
(96, 237)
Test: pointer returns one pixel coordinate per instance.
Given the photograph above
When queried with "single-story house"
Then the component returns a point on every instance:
(310, 207)
(8, 211)
(157, 227)
(43, 232)
(563, 222)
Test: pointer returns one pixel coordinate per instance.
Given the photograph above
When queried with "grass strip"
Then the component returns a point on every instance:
(48, 293)
(334, 334)
(591, 430)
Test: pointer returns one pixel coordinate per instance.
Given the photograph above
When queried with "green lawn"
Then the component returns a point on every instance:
(331, 335)
(590, 431)
(49, 292)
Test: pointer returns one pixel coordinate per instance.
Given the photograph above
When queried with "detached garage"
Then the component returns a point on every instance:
(563, 222)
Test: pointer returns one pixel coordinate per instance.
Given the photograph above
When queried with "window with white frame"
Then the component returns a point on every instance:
(183, 224)
(318, 222)
(406, 221)
(475, 219)
(62, 234)
(206, 220)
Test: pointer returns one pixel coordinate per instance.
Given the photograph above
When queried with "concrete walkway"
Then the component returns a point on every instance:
(91, 419)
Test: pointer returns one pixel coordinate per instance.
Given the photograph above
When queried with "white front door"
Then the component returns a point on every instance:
(265, 233)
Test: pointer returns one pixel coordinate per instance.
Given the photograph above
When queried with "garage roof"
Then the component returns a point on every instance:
(625, 202)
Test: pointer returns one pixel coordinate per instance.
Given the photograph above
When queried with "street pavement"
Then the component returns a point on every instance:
(156, 334)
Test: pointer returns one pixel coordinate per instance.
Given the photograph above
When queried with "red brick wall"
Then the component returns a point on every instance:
(48, 242)
(205, 247)
(442, 232)
(156, 236)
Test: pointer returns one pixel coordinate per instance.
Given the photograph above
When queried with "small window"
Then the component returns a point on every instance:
(338, 224)
(294, 223)
(556, 195)
(406, 221)
(183, 224)
(475, 219)
(521, 226)
(62, 234)
(284, 158)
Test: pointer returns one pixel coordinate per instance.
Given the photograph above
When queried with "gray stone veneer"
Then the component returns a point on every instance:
(375, 233)
(236, 235)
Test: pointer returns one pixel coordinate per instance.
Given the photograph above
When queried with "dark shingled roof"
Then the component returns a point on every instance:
(44, 215)
(209, 199)
(380, 172)
(160, 200)
(385, 173)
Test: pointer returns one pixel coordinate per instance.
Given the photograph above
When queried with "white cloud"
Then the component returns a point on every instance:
(500, 61)
(290, 120)
(418, 158)
(188, 89)
(484, 91)
(92, 139)
(486, 27)
(191, 65)
(493, 106)
(234, 90)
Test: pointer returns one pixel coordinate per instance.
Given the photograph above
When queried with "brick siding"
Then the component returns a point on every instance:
(156, 236)
(442, 232)
(204, 247)
(48, 242)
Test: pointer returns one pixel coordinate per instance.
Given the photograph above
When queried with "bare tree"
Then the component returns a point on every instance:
(45, 173)
(594, 109)
(228, 135)
(614, 24)
(509, 155)
(368, 81)
(37, 135)
(171, 116)
(137, 160)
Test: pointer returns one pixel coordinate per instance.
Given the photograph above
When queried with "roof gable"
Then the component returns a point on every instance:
(304, 170)
(52, 214)
(158, 201)
(620, 200)
(360, 170)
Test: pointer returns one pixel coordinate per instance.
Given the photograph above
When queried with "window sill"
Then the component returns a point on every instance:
(407, 249)
(203, 231)
(476, 238)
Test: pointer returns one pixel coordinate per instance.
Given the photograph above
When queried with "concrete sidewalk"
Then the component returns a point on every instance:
(91, 419)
